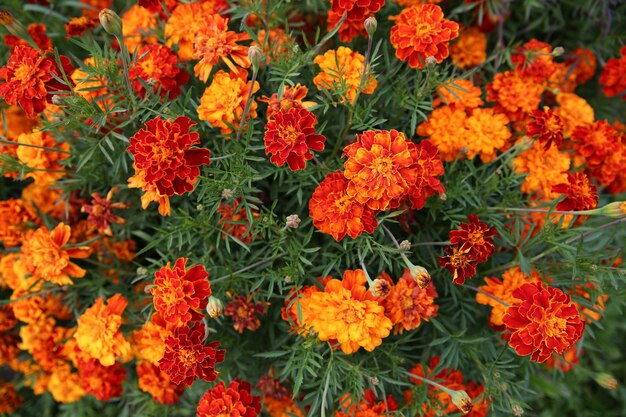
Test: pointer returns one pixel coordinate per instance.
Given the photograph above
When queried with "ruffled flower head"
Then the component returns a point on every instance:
(474, 237)
(470, 49)
(292, 97)
(158, 384)
(546, 126)
(245, 312)
(236, 401)
(580, 193)
(514, 95)
(45, 163)
(356, 13)
(158, 66)
(612, 77)
(534, 60)
(459, 262)
(100, 212)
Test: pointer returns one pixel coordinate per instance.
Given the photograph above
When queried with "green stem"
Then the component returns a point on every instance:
(246, 109)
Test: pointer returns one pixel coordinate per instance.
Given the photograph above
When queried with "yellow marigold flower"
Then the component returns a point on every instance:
(545, 168)
(341, 71)
(515, 96)
(459, 92)
(65, 385)
(98, 333)
(185, 23)
(44, 162)
(485, 132)
(223, 102)
(470, 49)
(573, 111)
(45, 257)
(445, 129)
(137, 23)
(346, 311)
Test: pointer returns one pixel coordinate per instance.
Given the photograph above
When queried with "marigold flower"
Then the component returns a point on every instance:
(580, 193)
(187, 357)
(503, 290)
(37, 32)
(459, 262)
(235, 222)
(224, 101)
(44, 255)
(513, 94)
(612, 77)
(138, 24)
(31, 308)
(101, 212)
(459, 92)
(573, 111)
(544, 168)
(534, 60)
(180, 294)
(582, 65)
(276, 44)
(475, 237)
(44, 341)
(290, 136)
(43, 162)
(11, 400)
(367, 407)
(245, 312)
(64, 385)
(158, 384)
(485, 132)
(15, 122)
(445, 128)
(290, 311)
(98, 333)
(564, 363)
(543, 320)
(236, 400)
(79, 25)
(356, 13)
(596, 142)
(346, 311)
(149, 341)
(546, 126)
(292, 98)
(342, 70)
(102, 381)
(594, 313)
(158, 65)
(407, 304)
(470, 49)
(420, 32)
(14, 217)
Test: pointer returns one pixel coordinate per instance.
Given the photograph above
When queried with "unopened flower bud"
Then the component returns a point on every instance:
(142, 272)
(558, 51)
(421, 276)
(606, 381)
(214, 307)
(293, 221)
(380, 288)
(405, 245)
(374, 380)
(14, 27)
(255, 54)
(616, 209)
(443, 196)
(431, 61)
(148, 289)
(462, 401)
(526, 143)
(200, 208)
(111, 22)
(57, 100)
(6, 18)
(517, 410)
(371, 24)
(227, 193)
(288, 279)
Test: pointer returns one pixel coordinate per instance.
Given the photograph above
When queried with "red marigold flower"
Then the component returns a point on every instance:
(180, 294)
(357, 11)
(429, 167)
(420, 32)
(78, 25)
(543, 321)
(514, 95)
(235, 222)
(244, 312)
(187, 357)
(534, 60)
(37, 32)
(582, 64)
(100, 212)
(158, 384)
(475, 238)
(334, 212)
(291, 98)
(367, 407)
(236, 400)
(103, 382)
(11, 400)
(28, 79)
(612, 77)
(596, 142)
(459, 263)
(580, 193)
(290, 136)
(158, 66)
(164, 157)
(546, 126)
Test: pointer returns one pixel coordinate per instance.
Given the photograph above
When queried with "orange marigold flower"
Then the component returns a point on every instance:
(224, 101)
(15, 123)
(380, 168)
(346, 312)
(187, 357)
(214, 42)
(503, 289)
(149, 341)
(245, 312)
(291, 98)
(342, 70)
(420, 32)
(485, 132)
(165, 162)
(14, 219)
(573, 111)
(459, 262)
(459, 92)
(158, 66)
(596, 142)
(235, 222)
(30, 308)
(289, 312)
(470, 50)
(290, 136)
(236, 400)
(580, 193)
(566, 362)
(475, 237)
(138, 23)
(101, 212)
(514, 95)
(64, 385)
(593, 313)
(542, 321)
(445, 128)
(158, 384)
(7, 318)
(98, 333)
(102, 381)
(582, 65)
(534, 60)
(407, 304)
(11, 400)
(546, 126)
(276, 44)
(367, 407)
(544, 168)
(78, 25)
(44, 341)
(37, 32)
(357, 11)
(44, 255)
(28, 79)
(43, 162)
(180, 294)
(612, 77)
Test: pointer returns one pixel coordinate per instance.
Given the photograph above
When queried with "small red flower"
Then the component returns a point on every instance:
(37, 32)
(580, 193)
(78, 25)
(234, 401)
(546, 126)
(235, 222)
(101, 212)
(612, 77)
(244, 312)
(158, 66)
(475, 238)
(429, 167)
(187, 357)
(103, 382)
(459, 263)
(542, 322)
(290, 136)
(180, 294)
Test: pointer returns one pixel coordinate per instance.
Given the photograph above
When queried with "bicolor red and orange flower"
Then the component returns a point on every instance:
(157, 67)
(245, 312)
(546, 126)
(580, 193)
(612, 77)
(234, 400)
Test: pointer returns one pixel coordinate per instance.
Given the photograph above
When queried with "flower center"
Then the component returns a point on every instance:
(553, 125)
(382, 165)
(554, 326)
(24, 73)
(352, 315)
(290, 135)
(187, 357)
(475, 237)
(343, 203)
(423, 29)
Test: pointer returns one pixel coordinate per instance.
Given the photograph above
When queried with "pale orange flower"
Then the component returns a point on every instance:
(470, 49)
(445, 129)
(43, 162)
(545, 168)
(149, 341)
(459, 92)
